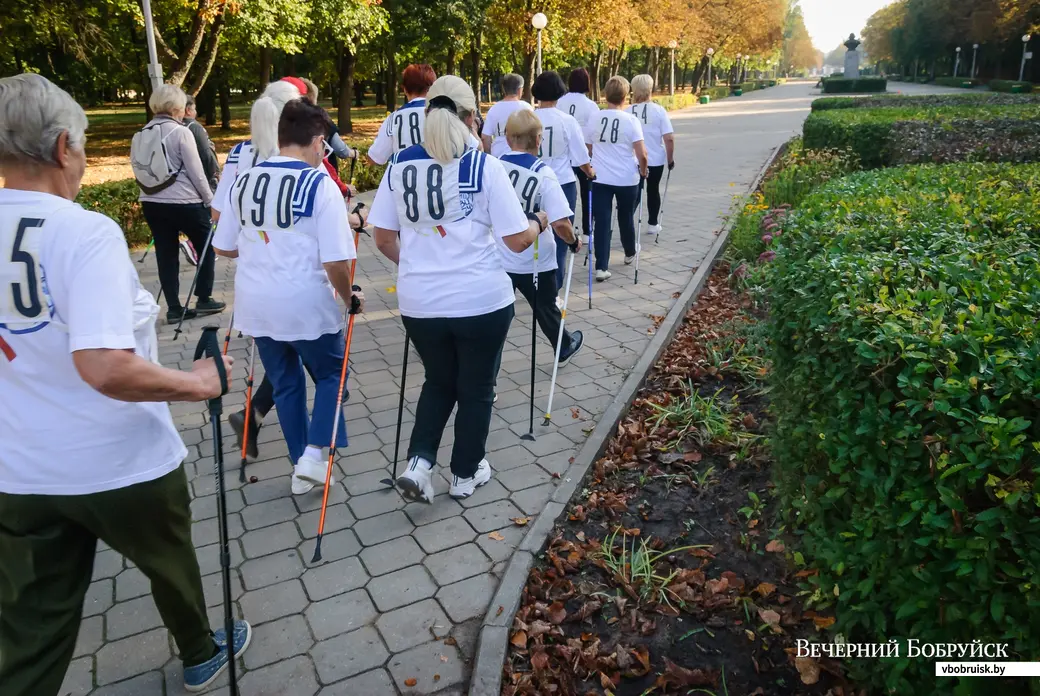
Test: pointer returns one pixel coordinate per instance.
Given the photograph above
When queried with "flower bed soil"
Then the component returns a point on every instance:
(718, 611)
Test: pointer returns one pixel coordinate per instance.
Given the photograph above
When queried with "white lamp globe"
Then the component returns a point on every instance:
(1026, 37)
(711, 51)
(673, 44)
(975, 46)
(539, 21)
(958, 49)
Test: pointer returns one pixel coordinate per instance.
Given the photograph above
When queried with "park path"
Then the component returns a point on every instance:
(398, 579)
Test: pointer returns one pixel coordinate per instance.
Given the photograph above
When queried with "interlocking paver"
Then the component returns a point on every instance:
(79, 679)
(134, 616)
(148, 683)
(371, 536)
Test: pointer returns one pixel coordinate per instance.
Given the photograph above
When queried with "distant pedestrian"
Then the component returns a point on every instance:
(337, 149)
(207, 151)
(88, 448)
(404, 128)
(660, 144)
(619, 158)
(179, 205)
(494, 132)
(577, 103)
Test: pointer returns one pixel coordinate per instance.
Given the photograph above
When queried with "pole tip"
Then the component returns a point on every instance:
(527, 436)
(547, 420)
(316, 558)
(387, 482)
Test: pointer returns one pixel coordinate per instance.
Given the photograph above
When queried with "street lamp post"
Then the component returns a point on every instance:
(957, 62)
(1025, 56)
(538, 22)
(710, 52)
(743, 75)
(974, 55)
(154, 67)
(671, 79)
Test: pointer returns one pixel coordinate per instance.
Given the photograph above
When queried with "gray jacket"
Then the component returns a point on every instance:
(207, 152)
(191, 185)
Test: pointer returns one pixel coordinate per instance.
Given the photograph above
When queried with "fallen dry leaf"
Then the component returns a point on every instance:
(775, 546)
(678, 676)
(412, 681)
(496, 536)
(521, 521)
(557, 613)
(450, 640)
(444, 658)
(540, 661)
(575, 413)
(692, 457)
(772, 618)
(808, 670)
(436, 677)
(556, 474)
(823, 621)
(500, 610)
(519, 639)
(765, 589)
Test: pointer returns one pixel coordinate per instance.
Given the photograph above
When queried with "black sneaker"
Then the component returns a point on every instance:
(209, 306)
(577, 339)
(174, 315)
(238, 422)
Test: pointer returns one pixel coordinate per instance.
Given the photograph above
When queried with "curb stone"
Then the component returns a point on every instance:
(493, 641)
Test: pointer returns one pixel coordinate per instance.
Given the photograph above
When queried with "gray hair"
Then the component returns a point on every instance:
(642, 88)
(34, 112)
(511, 83)
(166, 99)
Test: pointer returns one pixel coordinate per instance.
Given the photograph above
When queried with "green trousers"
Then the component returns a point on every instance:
(47, 547)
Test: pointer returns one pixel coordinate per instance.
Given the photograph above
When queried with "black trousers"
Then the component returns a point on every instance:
(548, 314)
(460, 356)
(167, 221)
(603, 196)
(583, 189)
(653, 193)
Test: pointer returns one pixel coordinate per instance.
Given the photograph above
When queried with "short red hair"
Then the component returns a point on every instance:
(417, 78)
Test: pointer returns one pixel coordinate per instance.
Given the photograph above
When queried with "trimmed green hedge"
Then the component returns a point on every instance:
(842, 85)
(1012, 86)
(717, 92)
(906, 382)
(118, 200)
(924, 100)
(950, 81)
(871, 133)
(678, 101)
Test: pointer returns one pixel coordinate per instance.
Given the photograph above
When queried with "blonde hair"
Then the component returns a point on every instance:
(312, 90)
(642, 88)
(444, 134)
(263, 119)
(523, 129)
(166, 99)
(616, 90)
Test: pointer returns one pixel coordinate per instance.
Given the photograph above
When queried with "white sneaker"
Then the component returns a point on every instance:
(653, 229)
(311, 470)
(559, 303)
(465, 487)
(602, 275)
(299, 486)
(630, 259)
(416, 483)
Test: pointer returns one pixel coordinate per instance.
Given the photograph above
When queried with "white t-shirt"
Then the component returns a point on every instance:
(285, 219)
(241, 158)
(495, 124)
(449, 266)
(535, 185)
(563, 144)
(400, 130)
(69, 285)
(579, 106)
(612, 135)
(656, 124)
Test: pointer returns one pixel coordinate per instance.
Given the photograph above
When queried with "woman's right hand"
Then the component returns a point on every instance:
(205, 371)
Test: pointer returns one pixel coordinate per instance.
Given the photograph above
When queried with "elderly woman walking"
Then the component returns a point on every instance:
(660, 144)
(437, 213)
(180, 205)
(88, 449)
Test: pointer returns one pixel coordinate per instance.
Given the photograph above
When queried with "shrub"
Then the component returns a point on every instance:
(118, 200)
(957, 82)
(923, 100)
(842, 85)
(965, 140)
(717, 92)
(1012, 86)
(799, 171)
(678, 101)
(869, 132)
(905, 387)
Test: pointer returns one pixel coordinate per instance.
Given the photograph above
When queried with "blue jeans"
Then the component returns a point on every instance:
(570, 192)
(603, 196)
(284, 364)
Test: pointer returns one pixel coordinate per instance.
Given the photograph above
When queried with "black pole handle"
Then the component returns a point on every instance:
(209, 347)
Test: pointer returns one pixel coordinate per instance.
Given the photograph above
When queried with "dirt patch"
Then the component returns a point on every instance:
(668, 572)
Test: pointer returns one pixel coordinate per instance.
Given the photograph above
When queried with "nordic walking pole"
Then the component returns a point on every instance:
(639, 229)
(339, 408)
(227, 336)
(592, 239)
(664, 199)
(147, 249)
(534, 338)
(209, 347)
(400, 412)
(249, 411)
(195, 278)
(559, 339)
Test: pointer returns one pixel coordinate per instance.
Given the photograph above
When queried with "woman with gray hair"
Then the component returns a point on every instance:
(181, 205)
(88, 448)
(660, 144)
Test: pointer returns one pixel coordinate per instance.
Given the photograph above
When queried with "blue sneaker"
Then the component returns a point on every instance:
(200, 677)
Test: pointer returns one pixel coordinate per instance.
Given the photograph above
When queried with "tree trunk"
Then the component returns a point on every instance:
(594, 66)
(265, 67)
(451, 59)
(225, 102)
(210, 56)
(193, 44)
(380, 89)
(391, 79)
(474, 63)
(359, 93)
(528, 74)
(657, 65)
(346, 87)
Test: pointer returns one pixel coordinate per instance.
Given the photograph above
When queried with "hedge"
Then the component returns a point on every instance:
(118, 200)
(842, 85)
(716, 92)
(924, 100)
(1013, 86)
(906, 356)
(950, 81)
(873, 136)
(678, 101)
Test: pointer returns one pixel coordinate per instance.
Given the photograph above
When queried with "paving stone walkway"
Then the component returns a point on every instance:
(396, 604)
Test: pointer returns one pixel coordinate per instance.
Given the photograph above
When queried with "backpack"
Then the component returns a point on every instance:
(149, 160)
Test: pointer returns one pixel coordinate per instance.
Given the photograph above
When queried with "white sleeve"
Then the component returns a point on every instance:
(101, 290)
(227, 178)
(491, 123)
(503, 207)
(384, 209)
(335, 242)
(637, 129)
(589, 132)
(383, 146)
(666, 123)
(554, 202)
(228, 228)
(579, 154)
